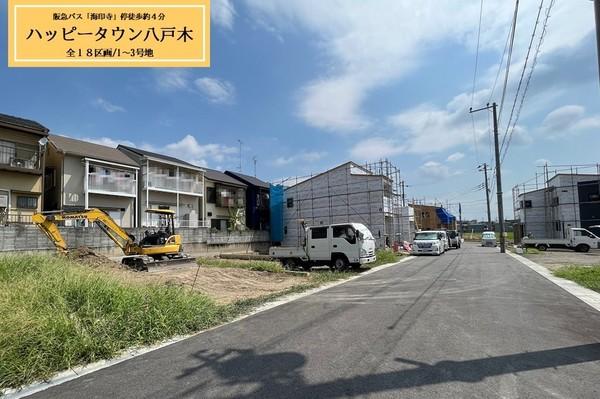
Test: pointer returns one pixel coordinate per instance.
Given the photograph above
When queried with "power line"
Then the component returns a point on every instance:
(475, 77)
(508, 59)
(537, 21)
(477, 52)
(533, 64)
(501, 63)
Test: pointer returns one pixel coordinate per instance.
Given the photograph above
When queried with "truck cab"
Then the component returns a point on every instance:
(337, 245)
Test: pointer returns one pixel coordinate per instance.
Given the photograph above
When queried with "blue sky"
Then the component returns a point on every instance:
(307, 85)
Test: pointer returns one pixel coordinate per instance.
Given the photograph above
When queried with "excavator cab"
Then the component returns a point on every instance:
(163, 229)
(160, 246)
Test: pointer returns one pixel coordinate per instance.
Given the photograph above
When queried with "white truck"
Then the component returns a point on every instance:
(580, 240)
(336, 245)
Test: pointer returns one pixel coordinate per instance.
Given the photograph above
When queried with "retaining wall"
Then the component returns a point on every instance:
(30, 238)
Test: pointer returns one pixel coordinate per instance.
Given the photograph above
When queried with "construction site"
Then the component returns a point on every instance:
(556, 199)
(371, 194)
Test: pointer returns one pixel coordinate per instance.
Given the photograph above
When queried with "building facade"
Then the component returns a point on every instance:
(430, 217)
(21, 168)
(567, 200)
(225, 201)
(257, 201)
(82, 175)
(168, 183)
(346, 193)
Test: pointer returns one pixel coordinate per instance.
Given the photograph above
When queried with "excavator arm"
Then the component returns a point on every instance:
(47, 223)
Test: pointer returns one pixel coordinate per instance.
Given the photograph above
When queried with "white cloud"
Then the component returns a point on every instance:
(191, 151)
(457, 156)
(172, 79)
(310, 156)
(223, 13)
(435, 171)
(568, 119)
(375, 148)
(216, 91)
(369, 45)
(107, 106)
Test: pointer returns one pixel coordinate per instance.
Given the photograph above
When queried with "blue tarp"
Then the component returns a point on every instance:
(276, 209)
(445, 216)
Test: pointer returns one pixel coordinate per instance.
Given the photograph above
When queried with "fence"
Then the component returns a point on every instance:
(18, 237)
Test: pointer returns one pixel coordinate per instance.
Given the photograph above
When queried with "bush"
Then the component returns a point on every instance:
(255, 265)
(384, 256)
(55, 315)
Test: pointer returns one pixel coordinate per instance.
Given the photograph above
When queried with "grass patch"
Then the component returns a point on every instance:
(586, 276)
(255, 265)
(56, 315)
(384, 256)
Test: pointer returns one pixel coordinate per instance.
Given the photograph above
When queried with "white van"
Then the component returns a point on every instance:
(429, 242)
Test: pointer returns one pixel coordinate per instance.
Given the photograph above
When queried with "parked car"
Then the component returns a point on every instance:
(429, 242)
(577, 239)
(454, 239)
(488, 239)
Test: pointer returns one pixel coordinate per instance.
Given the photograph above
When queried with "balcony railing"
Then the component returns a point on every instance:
(111, 184)
(188, 183)
(13, 217)
(19, 156)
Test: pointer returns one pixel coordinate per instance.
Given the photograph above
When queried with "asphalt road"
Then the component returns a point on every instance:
(472, 323)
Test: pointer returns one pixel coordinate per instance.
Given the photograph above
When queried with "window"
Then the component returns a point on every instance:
(557, 225)
(555, 201)
(290, 202)
(26, 202)
(527, 203)
(345, 232)
(318, 233)
(211, 195)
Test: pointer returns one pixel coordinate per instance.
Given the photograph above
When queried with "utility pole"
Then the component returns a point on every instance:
(597, 15)
(498, 173)
(254, 160)
(460, 229)
(240, 167)
(403, 197)
(487, 195)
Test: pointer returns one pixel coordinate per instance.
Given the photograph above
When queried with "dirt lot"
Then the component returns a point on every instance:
(224, 285)
(556, 258)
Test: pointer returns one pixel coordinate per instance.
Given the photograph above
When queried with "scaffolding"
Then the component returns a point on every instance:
(341, 195)
(557, 198)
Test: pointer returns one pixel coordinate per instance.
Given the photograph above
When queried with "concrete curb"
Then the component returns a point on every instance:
(71, 374)
(586, 295)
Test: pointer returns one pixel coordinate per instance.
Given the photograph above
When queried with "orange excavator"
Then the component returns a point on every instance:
(155, 248)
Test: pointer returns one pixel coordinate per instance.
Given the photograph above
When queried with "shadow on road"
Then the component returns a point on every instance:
(253, 375)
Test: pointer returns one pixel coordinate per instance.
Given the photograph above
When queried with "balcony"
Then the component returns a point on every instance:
(111, 184)
(19, 156)
(166, 179)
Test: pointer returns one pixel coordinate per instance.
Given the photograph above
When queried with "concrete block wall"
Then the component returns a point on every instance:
(195, 240)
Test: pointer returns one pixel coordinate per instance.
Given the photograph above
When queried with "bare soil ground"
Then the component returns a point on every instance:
(224, 285)
(557, 258)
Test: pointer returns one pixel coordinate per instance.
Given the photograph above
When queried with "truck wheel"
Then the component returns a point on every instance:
(289, 264)
(542, 247)
(339, 264)
(582, 248)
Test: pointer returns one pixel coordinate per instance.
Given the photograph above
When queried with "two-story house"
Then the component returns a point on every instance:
(225, 197)
(257, 200)
(21, 168)
(168, 183)
(81, 175)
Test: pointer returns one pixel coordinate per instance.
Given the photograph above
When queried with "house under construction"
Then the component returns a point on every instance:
(370, 194)
(558, 198)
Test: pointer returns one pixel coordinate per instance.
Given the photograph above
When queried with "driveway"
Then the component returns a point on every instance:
(472, 323)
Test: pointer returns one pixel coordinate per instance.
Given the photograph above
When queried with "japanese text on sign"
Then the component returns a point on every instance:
(84, 33)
